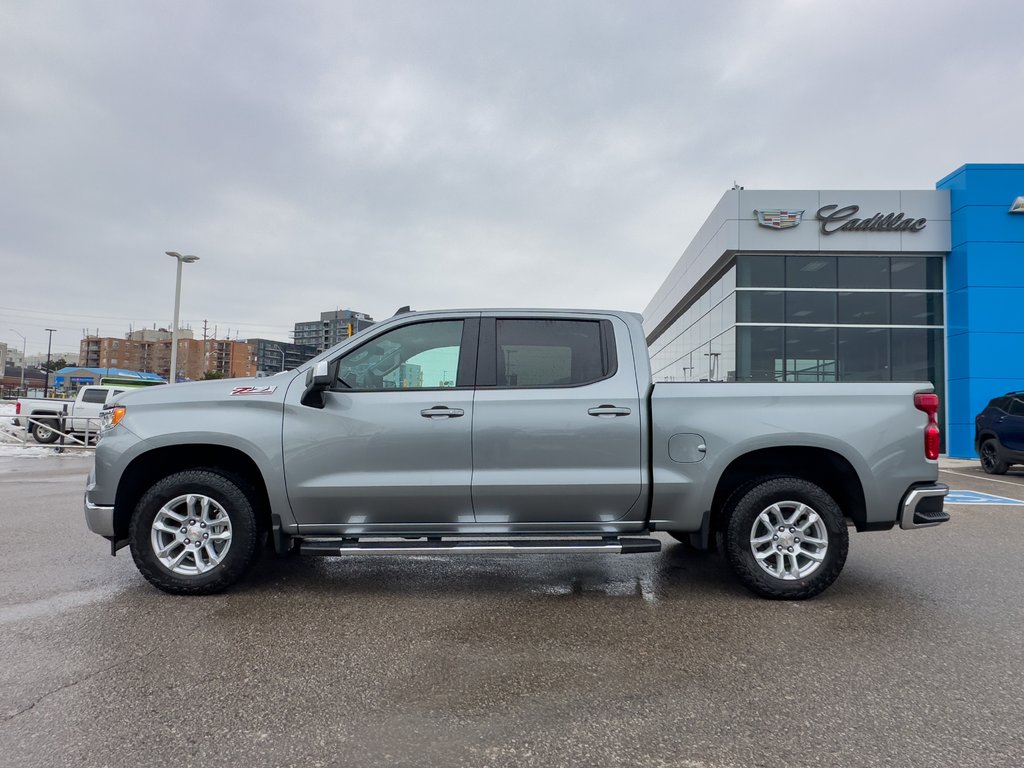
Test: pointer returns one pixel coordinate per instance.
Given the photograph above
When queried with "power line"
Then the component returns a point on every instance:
(81, 317)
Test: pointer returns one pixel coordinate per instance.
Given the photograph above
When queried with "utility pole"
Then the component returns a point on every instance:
(204, 330)
(49, 342)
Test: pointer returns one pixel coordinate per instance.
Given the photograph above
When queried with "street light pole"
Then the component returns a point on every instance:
(24, 344)
(49, 342)
(177, 303)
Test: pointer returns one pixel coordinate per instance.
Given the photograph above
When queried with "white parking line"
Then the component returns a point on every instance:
(984, 477)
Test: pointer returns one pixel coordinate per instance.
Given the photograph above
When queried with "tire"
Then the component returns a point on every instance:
(814, 539)
(45, 432)
(212, 510)
(990, 461)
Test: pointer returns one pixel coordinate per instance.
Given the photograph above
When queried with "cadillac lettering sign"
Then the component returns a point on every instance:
(834, 219)
(778, 219)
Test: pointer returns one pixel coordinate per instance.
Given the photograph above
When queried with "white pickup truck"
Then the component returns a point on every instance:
(82, 416)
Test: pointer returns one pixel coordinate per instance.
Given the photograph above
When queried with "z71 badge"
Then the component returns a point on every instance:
(252, 391)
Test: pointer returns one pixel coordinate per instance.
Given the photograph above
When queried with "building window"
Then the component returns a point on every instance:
(810, 307)
(863, 354)
(862, 308)
(759, 353)
(810, 271)
(863, 272)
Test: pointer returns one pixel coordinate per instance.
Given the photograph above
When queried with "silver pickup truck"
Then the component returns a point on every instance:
(509, 431)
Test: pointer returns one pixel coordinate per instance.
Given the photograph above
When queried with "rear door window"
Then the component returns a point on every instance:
(552, 353)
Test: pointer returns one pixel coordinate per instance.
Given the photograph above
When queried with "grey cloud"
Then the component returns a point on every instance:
(327, 154)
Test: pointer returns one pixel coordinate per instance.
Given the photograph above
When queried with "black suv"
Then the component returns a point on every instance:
(999, 433)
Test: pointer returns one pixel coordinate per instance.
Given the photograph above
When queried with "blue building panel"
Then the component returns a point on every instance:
(982, 184)
(993, 264)
(987, 223)
(985, 295)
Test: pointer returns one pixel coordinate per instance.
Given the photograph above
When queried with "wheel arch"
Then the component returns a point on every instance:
(148, 468)
(825, 468)
(986, 434)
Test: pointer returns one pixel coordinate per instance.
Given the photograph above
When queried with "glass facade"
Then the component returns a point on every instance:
(817, 317)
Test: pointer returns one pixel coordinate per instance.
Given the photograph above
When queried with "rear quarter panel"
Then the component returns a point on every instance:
(875, 427)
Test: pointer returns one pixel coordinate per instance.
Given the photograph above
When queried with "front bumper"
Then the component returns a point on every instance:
(100, 519)
(922, 506)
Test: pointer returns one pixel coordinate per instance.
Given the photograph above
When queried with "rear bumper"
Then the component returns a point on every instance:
(922, 506)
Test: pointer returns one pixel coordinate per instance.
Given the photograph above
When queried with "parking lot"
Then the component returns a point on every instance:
(914, 657)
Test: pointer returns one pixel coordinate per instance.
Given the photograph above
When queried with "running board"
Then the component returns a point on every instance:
(614, 546)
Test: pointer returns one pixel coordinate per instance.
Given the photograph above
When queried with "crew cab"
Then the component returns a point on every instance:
(49, 417)
(509, 431)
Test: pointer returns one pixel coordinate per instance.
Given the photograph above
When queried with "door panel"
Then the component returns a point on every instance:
(392, 445)
(568, 452)
(370, 458)
(1011, 427)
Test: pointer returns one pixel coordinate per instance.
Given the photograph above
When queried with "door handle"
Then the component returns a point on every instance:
(441, 412)
(608, 410)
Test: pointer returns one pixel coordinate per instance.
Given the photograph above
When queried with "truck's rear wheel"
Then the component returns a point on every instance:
(45, 432)
(194, 533)
(786, 539)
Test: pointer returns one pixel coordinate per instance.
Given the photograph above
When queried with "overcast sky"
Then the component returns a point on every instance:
(324, 155)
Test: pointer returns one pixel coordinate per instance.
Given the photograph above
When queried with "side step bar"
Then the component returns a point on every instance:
(343, 547)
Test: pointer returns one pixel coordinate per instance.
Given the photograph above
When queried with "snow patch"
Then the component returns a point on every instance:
(29, 451)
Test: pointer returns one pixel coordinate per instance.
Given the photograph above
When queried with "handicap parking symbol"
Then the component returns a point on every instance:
(976, 497)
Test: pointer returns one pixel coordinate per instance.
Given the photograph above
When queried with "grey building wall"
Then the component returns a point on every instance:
(733, 228)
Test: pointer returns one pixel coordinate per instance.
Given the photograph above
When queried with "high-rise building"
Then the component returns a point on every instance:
(332, 328)
(276, 356)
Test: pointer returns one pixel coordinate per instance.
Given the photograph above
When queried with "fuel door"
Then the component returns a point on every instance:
(687, 448)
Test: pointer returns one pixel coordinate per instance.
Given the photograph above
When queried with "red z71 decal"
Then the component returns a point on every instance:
(252, 391)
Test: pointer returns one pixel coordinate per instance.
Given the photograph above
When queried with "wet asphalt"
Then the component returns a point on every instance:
(914, 657)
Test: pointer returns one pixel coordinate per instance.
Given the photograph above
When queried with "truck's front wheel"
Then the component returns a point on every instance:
(786, 539)
(193, 533)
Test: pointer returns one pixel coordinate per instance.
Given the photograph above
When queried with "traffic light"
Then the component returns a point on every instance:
(350, 329)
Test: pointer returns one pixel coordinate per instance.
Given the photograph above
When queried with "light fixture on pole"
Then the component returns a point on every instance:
(24, 343)
(177, 303)
(49, 342)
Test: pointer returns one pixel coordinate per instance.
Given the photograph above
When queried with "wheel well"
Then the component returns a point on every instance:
(825, 468)
(150, 467)
(986, 435)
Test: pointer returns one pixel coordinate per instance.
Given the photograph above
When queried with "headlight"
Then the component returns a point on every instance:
(111, 417)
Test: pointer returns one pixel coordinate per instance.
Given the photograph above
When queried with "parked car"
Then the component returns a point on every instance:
(81, 416)
(999, 433)
(509, 431)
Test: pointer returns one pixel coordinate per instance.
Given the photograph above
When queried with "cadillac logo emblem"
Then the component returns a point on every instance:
(778, 219)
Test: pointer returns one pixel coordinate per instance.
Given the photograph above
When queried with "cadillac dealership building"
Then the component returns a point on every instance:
(840, 285)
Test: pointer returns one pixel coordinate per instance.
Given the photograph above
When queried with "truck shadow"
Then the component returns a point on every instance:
(673, 571)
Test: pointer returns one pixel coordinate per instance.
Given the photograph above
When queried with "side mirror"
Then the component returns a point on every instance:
(318, 379)
(322, 375)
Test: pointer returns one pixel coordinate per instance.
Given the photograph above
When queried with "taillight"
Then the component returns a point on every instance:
(929, 403)
(17, 408)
